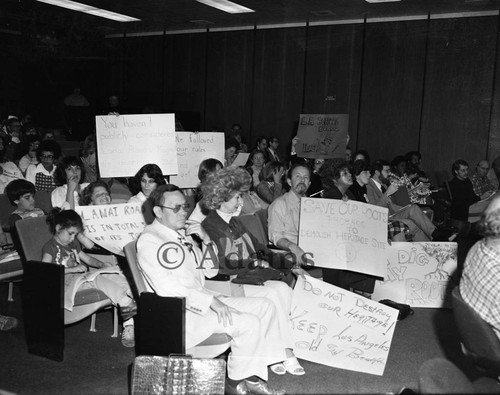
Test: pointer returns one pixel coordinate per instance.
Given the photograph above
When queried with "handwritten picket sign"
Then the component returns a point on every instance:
(344, 235)
(127, 142)
(192, 149)
(419, 274)
(322, 135)
(112, 226)
(341, 329)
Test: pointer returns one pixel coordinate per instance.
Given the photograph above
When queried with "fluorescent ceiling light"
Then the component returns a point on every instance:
(381, 1)
(226, 5)
(88, 9)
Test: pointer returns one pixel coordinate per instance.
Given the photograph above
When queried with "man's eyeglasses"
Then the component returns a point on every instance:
(48, 157)
(178, 207)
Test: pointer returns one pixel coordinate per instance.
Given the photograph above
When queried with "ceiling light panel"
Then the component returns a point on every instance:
(226, 6)
(88, 9)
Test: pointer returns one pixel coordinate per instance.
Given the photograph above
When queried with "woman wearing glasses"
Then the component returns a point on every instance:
(239, 250)
(42, 175)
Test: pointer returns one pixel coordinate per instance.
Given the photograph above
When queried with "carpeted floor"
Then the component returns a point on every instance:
(98, 364)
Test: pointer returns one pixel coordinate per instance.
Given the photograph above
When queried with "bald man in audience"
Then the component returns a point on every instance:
(480, 181)
(284, 214)
(480, 282)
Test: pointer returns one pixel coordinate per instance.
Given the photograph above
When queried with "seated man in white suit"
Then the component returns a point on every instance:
(173, 266)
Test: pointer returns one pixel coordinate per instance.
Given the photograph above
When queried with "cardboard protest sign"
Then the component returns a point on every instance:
(112, 226)
(192, 149)
(125, 143)
(344, 235)
(322, 135)
(338, 328)
(419, 274)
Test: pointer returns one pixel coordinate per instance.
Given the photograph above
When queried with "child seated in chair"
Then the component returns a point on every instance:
(64, 249)
(21, 193)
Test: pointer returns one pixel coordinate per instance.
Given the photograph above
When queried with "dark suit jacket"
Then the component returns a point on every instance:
(377, 198)
(226, 235)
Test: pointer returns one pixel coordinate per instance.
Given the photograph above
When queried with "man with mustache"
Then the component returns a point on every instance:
(284, 213)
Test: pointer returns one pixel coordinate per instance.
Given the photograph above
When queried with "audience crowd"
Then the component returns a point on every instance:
(269, 186)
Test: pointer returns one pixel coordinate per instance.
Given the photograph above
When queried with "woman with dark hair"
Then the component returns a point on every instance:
(27, 155)
(9, 170)
(42, 175)
(419, 193)
(337, 179)
(231, 151)
(239, 251)
(145, 181)
(270, 186)
(255, 163)
(361, 154)
(95, 194)
(68, 175)
(89, 158)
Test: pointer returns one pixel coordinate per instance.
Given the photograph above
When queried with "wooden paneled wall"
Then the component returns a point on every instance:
(430, 85)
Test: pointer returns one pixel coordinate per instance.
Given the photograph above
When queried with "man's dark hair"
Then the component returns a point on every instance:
(410, 154)
(359, 166)
(49, 146)
(156, 197)
(378, 165)
(456, 166)
(17, 188)
(232, 142)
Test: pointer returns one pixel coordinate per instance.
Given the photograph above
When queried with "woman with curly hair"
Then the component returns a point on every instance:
(145, 181)
(68, 176)
(239, 251)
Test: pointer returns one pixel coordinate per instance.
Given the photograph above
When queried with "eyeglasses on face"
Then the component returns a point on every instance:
(178, 207)
(48, 157)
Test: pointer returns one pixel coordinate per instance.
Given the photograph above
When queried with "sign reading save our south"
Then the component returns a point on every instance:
(346, 235)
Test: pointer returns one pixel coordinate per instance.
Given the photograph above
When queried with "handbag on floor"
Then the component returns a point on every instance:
(404, 309)
(178, 374)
